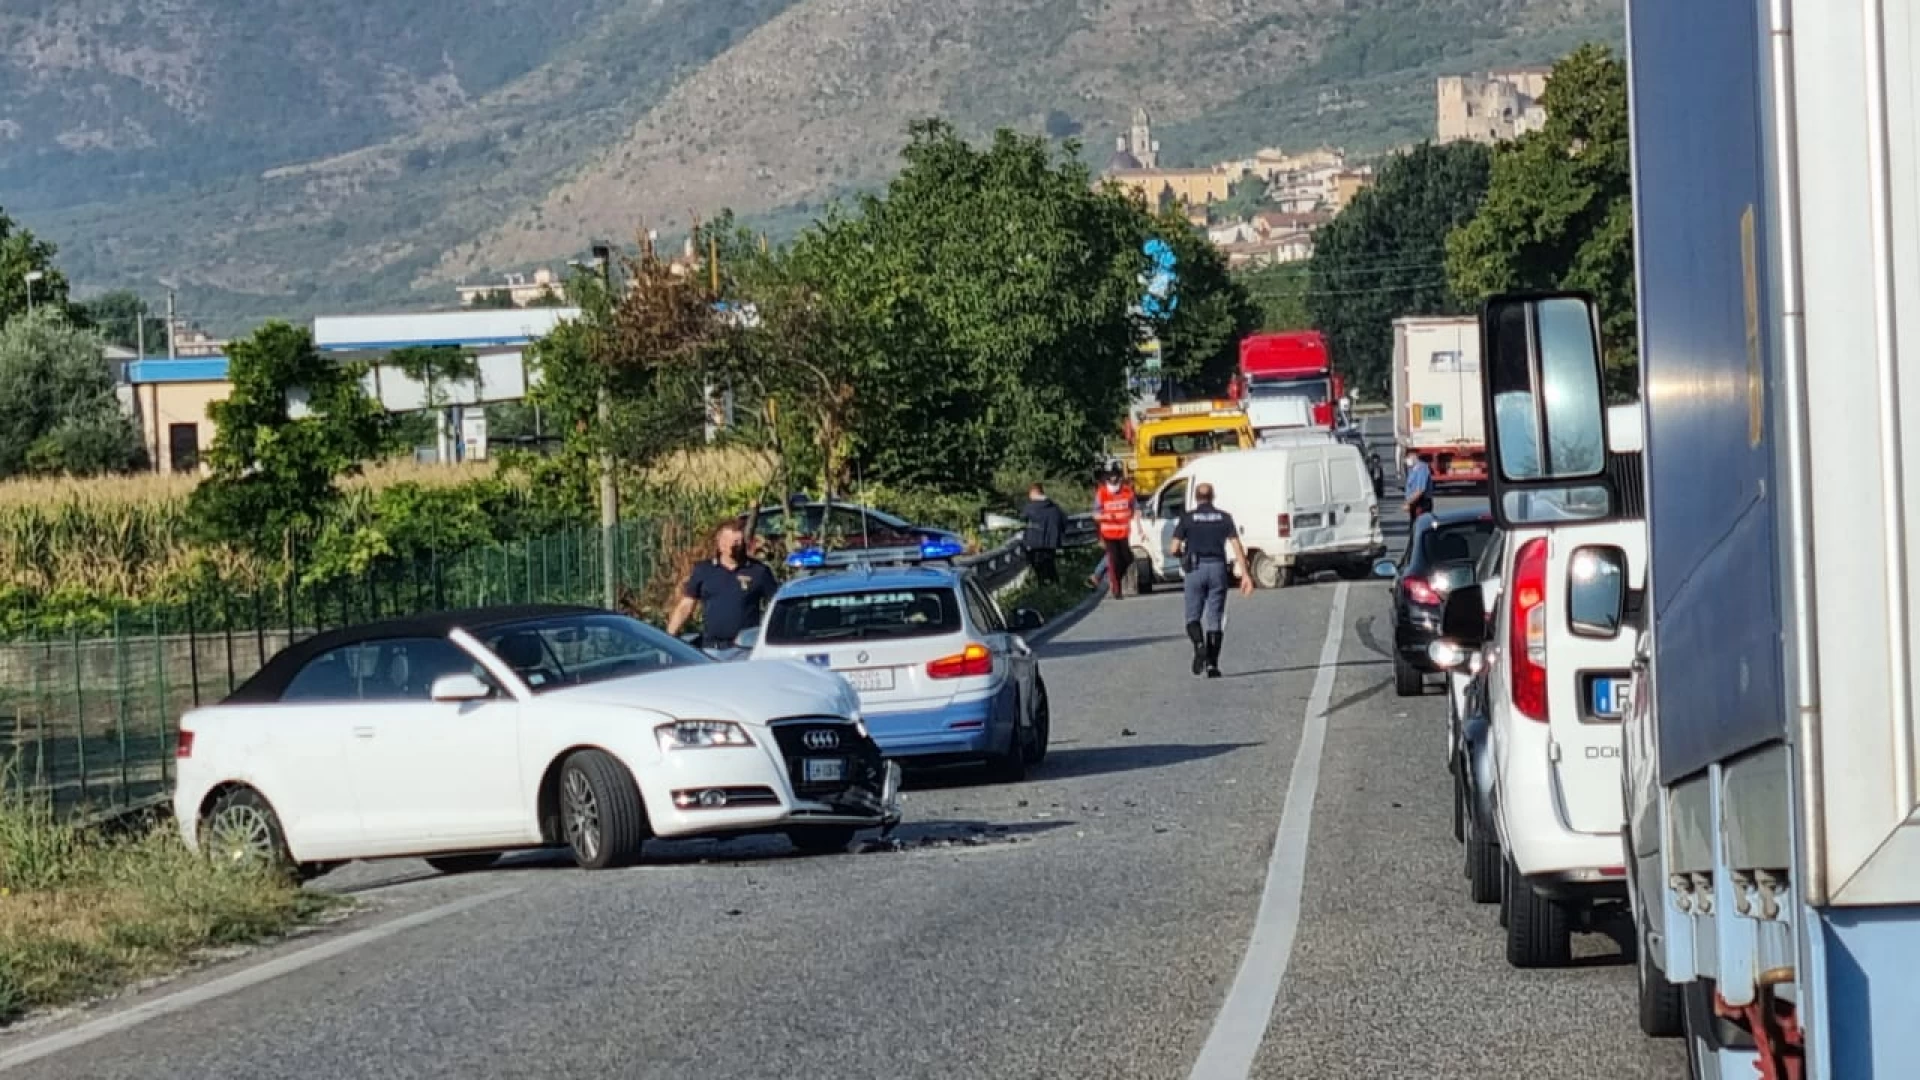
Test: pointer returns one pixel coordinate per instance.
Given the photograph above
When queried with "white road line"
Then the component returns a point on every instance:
(1242, 1023)
(227, 984)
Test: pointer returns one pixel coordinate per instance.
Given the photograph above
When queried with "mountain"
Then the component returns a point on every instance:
(284, 157)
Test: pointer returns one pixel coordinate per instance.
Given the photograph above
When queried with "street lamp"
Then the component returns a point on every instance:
(32, 276)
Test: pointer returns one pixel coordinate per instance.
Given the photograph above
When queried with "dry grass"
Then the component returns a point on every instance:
(163, 489)
(718, 470)
(82, 915)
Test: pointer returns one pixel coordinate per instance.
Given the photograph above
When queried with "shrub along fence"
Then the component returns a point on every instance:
(87, 719)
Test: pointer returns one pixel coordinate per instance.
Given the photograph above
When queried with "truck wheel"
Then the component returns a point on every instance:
(1539, 934)
(1407, 679)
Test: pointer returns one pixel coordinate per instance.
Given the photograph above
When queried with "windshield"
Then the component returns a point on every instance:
(1313, 388)
(1194, 442)
(892, 613)
(573, 650)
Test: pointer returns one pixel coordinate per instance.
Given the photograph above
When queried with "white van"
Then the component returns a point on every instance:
(1300, 508)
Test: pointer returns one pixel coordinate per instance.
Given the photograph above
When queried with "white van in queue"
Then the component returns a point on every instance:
(1300, 508)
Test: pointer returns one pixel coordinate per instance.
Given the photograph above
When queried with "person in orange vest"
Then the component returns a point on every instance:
(1113, 506)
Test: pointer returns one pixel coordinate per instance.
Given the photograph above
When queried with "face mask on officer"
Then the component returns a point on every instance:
(1412, 461)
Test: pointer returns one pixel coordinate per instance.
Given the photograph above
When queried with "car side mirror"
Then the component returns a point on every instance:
(747, 639)
(1597, 591)
(460, 686)
(1546, 395)
(1386, 569)
(1463, 619)
(1027, 620)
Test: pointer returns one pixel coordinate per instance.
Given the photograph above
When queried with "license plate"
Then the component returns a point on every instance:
(824, 770)
(1462, 466)
(1611, 696)
(879, 678)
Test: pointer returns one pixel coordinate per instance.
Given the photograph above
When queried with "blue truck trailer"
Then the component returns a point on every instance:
(1772, 780)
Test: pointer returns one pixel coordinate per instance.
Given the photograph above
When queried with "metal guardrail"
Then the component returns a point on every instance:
(998, 568)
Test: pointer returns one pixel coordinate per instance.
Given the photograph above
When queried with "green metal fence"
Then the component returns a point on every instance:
(87, 720)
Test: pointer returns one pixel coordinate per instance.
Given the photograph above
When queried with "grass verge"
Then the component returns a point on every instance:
(1058, 598)
(84, 914)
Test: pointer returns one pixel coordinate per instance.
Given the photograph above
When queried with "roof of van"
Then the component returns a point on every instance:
(1265, 457)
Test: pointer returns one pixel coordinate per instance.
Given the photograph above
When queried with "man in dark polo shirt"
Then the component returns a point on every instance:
(1202, 538)
(732, 589)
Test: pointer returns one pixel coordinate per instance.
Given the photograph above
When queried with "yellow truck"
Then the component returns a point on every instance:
(1168, 436)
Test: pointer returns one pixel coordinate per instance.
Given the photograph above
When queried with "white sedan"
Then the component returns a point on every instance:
(456, 736)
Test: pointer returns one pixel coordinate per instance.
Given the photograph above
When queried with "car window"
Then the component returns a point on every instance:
(1350, 481)
(391, 669)
(800, 521)
(986, 614)
(864, 615)
(1489, 564)
(573, 650)
(1173, 500)
(1309, 487)
(1462, 542)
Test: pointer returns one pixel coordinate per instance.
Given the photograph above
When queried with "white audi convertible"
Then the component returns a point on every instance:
(456, 736)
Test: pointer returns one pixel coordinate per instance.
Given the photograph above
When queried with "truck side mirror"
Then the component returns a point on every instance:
(1546, 396)
(1596, 591)
(1463, 619)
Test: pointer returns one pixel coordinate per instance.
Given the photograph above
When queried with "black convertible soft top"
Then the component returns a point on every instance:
(271, 680)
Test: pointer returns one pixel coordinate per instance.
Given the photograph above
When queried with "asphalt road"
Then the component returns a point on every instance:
(1088, 923)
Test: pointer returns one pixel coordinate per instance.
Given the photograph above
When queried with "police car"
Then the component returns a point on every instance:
(943, 675)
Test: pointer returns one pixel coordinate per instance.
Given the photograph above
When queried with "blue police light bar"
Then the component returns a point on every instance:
(807, 558)
(941, 549)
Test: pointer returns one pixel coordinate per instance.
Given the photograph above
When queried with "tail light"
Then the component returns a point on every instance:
(1527, 633)
(183, 744)
(1373, 515)
(1420, 592)
(1285, 523)
(975, 660)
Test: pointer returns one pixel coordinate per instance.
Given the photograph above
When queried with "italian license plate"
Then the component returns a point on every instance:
(879, 678)
(816, 770)
(1611, 696)
(1461, 467)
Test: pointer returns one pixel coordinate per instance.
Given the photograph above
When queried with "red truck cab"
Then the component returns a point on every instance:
(1290, 364)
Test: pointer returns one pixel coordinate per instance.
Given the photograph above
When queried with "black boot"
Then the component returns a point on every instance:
(1199, 647)
(1213, 655)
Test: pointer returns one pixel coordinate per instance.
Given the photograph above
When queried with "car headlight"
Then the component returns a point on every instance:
(694, 734)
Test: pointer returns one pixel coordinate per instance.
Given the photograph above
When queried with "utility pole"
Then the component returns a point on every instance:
(609, 494)
(171, 354)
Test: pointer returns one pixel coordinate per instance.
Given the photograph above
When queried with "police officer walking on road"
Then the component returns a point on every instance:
(1201, 539)
(1419, 489)
(733, 588)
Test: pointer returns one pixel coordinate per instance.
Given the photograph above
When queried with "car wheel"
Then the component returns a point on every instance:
(1662, 1006)
(1459, 804)
(1011, 767)
(1142, 574)
(241, 829)
(463, 864)
(1042, 723)
(1408, 681)
(1484, 863)
(822, 839)
(1539, 934)
(600, 810)
(1354, 571)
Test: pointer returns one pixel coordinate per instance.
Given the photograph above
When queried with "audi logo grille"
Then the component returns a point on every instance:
(820, 739)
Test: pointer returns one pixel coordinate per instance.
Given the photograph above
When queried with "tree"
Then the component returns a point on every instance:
(1200, 341)
(1384, 255)
(1245, 197)
(124, 319)
(295, 422)
(21, 254)
(493, 299)
(1279, 294)
(58, 409)
(1559, 209)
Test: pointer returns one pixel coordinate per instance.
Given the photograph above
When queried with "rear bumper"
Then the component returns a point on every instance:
(961, 731)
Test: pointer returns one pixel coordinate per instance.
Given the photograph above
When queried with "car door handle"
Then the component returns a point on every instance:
(363, 733)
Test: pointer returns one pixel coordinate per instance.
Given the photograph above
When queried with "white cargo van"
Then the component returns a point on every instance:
(1301, 509)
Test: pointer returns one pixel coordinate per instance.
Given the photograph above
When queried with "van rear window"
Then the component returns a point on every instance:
(863, 616)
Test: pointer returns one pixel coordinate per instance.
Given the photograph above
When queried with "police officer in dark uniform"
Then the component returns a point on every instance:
(732, 588)
(1202, 538)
